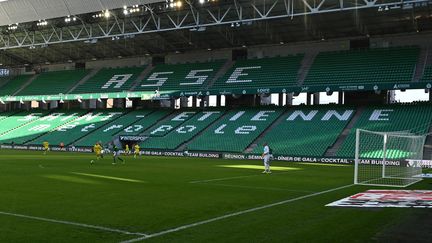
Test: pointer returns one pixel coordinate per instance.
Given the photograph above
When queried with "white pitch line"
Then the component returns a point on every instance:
(236, 177)
(256, 187)
(233, 214)
(102, 228)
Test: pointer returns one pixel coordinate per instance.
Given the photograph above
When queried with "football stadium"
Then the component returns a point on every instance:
(215, 120)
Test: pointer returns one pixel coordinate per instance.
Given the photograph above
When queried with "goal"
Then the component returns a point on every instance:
(388, 158)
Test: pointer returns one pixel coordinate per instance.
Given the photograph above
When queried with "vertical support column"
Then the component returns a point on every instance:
(289, 99)
(43, 106)
(119, 103)
(84, 104)
(430, 95)
(219, 100)
(194, 101)
(280, 99)
(101, 104)
(316, 98)
(54, 104)
(308, 99)
(183, 102)
(92, 104)
(340, 97)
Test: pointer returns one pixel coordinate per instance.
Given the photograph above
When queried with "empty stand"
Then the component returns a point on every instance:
(148, 121)
(189, 76)
(307, 131)
(17, 120)
(106, 133)
(184, 132)
(236, 130)
(110, 80)
(40, 126)
(427, 76)
(364, 66)
(392, 118)
(261, 73)
(78, 128)
(14, 84)
(171, 122)
(57, 82)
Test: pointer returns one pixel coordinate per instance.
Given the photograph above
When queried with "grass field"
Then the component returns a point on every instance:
(60, 197)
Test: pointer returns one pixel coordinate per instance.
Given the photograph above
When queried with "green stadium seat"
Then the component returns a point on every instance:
(20, 119)
(110, 80)
(307, 131)
(53, 83)
(393, 118)
(381, 65)
(427, 75)
(261, 73)
(184, 132)
(106, 133)
(14, 84)
(236, 130)
(76, 129)
(171, 122)
(185, 77)
(40, 126)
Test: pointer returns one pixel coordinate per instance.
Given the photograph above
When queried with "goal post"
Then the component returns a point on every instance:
(388, 158)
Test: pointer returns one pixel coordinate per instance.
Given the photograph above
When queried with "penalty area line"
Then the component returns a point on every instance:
(89, 226)
(234, 214)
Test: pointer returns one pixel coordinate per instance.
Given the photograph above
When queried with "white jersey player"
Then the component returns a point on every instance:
(266, 158)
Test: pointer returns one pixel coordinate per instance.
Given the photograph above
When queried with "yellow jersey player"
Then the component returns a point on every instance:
(136, 150)
(97, 148)
(45, 147)
(127, 150)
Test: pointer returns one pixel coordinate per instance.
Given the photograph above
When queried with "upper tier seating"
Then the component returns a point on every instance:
(307, 131)
(14, 84)
(235, 131)
(184, 132)
(427, 75)
(261, 73)
(393, 118)
(110, 80)
(53, 83)
(174, 77)
(364, 66)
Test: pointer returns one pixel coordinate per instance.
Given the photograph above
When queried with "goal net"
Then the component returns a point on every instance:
(388, 158)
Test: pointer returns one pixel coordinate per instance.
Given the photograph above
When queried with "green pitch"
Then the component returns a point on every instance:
(60, 197)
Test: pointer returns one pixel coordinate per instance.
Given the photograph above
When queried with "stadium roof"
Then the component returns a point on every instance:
(20, 11)
(160, 29)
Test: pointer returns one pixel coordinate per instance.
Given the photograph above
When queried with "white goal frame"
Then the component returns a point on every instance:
(411, 167)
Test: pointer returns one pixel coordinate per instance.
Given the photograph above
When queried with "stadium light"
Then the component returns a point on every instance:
(61, 101)
(99, 99)
(42, 23)
(107, 14)
(1, 101)
(69, 19)
(79, 100)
